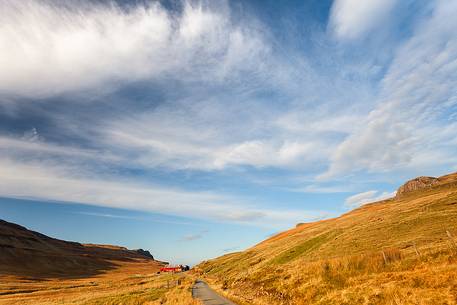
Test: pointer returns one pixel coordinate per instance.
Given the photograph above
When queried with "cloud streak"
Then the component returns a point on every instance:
(55, 47)
(99, 98)
(360, 199)
(144, 218)
(414, 107)
(352, 19)
(40, 181)
(196, 236)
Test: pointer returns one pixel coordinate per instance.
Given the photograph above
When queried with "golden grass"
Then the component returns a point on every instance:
(394, 252)
(131, 283)
(181, 294)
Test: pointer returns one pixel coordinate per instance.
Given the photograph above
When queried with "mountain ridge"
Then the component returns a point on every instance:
(29, 253)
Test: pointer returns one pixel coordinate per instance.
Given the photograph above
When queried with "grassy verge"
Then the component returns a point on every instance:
(120, 288)
(166, 289)
(374, 278)
(181, 294)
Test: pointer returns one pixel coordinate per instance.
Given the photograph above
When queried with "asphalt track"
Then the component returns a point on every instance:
(208, 296)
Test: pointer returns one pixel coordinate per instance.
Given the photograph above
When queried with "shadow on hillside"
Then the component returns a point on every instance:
(30, 254)
(79, 262)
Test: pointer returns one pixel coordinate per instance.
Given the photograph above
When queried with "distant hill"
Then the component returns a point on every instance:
(397, 251)
(31, 254)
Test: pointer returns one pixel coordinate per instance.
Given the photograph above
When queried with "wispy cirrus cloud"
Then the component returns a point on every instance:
(181, 140)
(415, 106)
(195, 236)
(53, 47)
(198, 46)
(357, 200)
(197, 89)
(351, 19)
(192, 237)
(68, 184)
(143, 218)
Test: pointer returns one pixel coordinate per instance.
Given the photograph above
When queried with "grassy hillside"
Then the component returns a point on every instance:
(37, 269)
(31, 254)
(398, 251)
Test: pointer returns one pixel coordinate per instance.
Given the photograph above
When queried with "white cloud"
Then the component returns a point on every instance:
(323, 189)
(223, 115)
(42, 181)
(351, 19)
(105, 215)
(51, 47)
(31, 135)
(203, 136)
(195, 236)
(191, 237)
(260, 153)
(366, 197)
(415, 105)
(81, 177)
(33, 144)
(68, 184)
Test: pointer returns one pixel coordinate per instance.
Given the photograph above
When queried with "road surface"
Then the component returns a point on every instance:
(207, 295)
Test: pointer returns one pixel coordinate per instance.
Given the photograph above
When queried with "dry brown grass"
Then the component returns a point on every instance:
(40, 270)
(394, 252)
(131, 283)
(181, 294)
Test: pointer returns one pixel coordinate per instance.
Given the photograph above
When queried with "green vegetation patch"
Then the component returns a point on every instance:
(305, 247)
(233, 262)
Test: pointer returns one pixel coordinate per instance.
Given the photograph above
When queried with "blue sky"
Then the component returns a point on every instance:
(196, 128)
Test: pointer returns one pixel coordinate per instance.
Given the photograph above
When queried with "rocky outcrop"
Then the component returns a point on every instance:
(144, 253)
(417, 184)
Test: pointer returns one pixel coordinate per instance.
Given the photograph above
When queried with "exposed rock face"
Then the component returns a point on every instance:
(144, 253)
(417, 184)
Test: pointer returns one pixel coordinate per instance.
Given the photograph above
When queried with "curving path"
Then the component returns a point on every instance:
(208, 296)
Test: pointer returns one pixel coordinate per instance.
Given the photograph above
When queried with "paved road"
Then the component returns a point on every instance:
(208, 296)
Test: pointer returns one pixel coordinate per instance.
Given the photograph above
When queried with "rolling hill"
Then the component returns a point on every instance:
(31, 254)
(37, 269)
(398, 251)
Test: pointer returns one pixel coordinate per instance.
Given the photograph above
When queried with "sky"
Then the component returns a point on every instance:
(197, 128)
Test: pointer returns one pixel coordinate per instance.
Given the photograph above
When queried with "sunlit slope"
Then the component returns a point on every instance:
(336, 260)
(39, 270)
(31, 254)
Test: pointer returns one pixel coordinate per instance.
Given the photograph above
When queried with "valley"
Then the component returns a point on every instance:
(37, 269)
(397, 251)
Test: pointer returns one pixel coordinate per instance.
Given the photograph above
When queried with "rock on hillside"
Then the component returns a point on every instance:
(421, 183)
(417, 184)
(145, 253)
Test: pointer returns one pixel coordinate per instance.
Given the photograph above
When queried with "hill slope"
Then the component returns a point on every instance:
(397, 251)
(32, 254)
